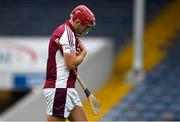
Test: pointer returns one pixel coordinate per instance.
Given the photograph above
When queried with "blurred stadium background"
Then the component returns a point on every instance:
(109, 70)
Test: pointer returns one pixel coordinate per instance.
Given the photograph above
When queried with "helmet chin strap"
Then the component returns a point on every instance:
(79, 35)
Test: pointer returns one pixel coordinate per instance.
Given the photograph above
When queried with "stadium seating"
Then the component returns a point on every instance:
(157, 97)
(40, 18)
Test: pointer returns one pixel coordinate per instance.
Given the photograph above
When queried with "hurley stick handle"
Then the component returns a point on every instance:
(86, 90)
(93, 101)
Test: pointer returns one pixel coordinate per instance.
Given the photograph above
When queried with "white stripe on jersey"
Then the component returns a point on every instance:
(67, 41)
(68, 34)
(62, 73)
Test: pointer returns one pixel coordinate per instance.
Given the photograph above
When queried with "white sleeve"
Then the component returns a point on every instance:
(67, 41)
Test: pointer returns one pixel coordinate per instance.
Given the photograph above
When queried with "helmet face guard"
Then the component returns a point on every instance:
(85, 29)
(85, 16)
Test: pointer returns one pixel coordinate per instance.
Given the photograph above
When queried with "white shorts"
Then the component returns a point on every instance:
(60, 101)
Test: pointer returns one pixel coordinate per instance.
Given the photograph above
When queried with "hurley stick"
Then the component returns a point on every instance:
(94, 102)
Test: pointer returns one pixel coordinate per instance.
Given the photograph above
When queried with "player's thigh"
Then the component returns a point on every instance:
(77, 114)
(55, 118)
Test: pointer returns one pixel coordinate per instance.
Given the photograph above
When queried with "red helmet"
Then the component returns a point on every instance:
(85, 15)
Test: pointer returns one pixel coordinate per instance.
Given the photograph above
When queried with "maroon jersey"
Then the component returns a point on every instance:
(57, 73)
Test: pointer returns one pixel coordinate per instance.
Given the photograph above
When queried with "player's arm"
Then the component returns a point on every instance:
(71, 59)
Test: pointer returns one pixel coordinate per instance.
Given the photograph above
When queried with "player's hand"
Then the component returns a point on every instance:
(82, 48)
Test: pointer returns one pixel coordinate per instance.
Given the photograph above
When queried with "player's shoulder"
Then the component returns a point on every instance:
(61, 28)
(58, 31)
(68, 29)
(64, 28)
